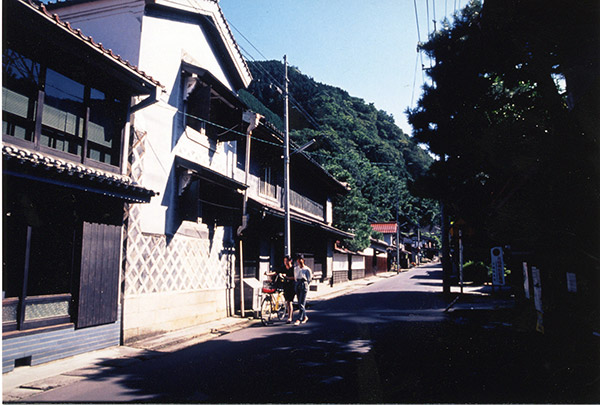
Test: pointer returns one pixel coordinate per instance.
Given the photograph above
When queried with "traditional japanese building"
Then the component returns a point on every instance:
(182, 264)
(66, 103)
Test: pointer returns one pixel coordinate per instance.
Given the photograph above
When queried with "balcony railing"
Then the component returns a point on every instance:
(306, 204)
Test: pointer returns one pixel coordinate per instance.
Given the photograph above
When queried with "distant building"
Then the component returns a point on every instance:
(389, 232)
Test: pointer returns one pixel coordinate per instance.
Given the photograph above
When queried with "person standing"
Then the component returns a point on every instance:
(302, 277)
(289, 288)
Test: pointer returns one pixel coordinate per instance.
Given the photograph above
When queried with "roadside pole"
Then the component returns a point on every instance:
(460, 259)
(286, 168)
(398, 237)
(446, 265)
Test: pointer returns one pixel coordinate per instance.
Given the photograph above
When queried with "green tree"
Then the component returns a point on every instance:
(520, 155)
(357, 143)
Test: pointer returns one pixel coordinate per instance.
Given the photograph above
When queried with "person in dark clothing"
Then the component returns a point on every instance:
(289, 291)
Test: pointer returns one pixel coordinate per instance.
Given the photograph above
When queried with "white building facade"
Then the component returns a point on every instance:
(180, 250)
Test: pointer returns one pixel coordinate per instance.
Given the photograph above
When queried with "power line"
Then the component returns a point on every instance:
(434, 22)
(247, 40)
(419, 39)
(427, 6)
(295, 103)
(412, 97)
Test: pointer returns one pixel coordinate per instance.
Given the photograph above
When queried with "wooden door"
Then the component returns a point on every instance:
(99, 280)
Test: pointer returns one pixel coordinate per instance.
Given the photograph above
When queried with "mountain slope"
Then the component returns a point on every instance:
(356, 142)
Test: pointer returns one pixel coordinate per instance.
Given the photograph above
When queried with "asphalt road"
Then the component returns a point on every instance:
(388, 342)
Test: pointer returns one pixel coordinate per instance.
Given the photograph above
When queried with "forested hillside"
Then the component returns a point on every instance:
(356, 142)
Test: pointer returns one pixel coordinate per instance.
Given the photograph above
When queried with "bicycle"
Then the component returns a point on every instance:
(273, 304)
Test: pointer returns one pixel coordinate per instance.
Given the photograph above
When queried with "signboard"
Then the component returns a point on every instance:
(571, 282)
(526, 281)
(497, 266)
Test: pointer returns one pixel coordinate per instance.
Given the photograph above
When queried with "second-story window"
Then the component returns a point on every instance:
(21, 81)
(63, 117)
(210, 108)
(44, 105)
(198, 106)
(267, 183)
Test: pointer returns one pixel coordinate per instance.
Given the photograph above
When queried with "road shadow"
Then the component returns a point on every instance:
(367, 347)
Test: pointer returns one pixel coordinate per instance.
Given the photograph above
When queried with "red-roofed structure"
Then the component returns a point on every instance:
(384, 227)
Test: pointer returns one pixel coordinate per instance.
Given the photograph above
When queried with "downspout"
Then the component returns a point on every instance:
(252, 119)
(151, 99)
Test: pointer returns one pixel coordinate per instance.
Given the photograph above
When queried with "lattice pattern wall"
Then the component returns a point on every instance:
(183, 264)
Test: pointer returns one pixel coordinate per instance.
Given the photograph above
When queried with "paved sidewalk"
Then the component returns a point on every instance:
(23, 382)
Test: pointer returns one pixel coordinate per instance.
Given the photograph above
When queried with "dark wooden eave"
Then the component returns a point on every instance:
(23, 163)
(24, 22)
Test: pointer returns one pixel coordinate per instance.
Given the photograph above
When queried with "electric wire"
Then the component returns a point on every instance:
(294, 102)
(412, 97)
(427, 7)
(434, 20)
(419, 39)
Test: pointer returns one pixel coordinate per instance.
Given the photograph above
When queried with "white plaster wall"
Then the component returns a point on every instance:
(340, 261)
(151, 314)
(164, 44)
(117, 24)
(183, 280)
(358, 262)
(329, 211)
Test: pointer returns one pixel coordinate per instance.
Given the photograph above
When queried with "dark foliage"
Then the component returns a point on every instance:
(522, 155)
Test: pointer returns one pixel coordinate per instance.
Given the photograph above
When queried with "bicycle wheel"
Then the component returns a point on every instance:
(280, 306)
(265, 310)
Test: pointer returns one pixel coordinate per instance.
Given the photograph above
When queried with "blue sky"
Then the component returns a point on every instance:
(366, 47)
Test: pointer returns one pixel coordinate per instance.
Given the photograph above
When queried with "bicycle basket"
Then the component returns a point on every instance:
(268, 287)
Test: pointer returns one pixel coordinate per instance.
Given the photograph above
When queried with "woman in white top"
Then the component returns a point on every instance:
(302, 277)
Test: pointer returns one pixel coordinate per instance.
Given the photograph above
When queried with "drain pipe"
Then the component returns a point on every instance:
(252, 119)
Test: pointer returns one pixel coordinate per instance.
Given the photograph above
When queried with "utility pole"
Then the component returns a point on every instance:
(419, 251)
(446, 264)
(460, 259)
(398, 236)
(286, 167)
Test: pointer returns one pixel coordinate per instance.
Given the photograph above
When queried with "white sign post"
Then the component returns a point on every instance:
(526, 280)
(571, 282)
(537, 297)
(497, 266)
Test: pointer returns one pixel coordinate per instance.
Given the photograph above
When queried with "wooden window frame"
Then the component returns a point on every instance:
(38, 127)
(266, 183)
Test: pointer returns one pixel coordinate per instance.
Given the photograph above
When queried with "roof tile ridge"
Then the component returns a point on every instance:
(91, 41)
(237, 47)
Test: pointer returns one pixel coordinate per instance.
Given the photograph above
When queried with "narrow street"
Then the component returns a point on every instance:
(390, 341)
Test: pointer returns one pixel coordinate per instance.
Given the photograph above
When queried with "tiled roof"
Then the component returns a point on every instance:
(384, 227)
(237, 47)
(41, 9)
(58, 3)
(73, 172)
